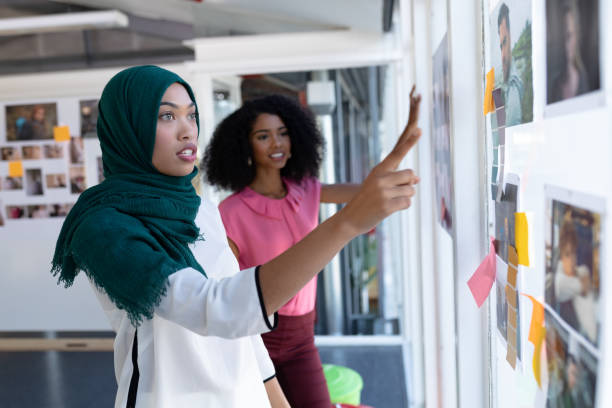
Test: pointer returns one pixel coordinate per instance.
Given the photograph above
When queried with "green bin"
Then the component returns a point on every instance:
(343, 383)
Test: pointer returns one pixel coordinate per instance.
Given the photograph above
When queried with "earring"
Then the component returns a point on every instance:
(249, 162)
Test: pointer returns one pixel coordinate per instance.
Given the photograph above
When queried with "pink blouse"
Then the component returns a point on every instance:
(264, 227)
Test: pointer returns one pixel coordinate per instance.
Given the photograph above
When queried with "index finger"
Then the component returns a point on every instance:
(406, 141)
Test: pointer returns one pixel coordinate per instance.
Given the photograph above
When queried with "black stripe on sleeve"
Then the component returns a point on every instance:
(269, 378)
(261, 303)
(133, 390)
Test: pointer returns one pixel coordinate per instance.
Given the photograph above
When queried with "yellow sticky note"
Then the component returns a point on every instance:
(16, 169)
(521, 237)
(61, 133)
(488, 104)
(537, 369)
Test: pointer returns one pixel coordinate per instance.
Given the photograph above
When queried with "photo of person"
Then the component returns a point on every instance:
(12, 183)
(441, 136)
(56, 180)
(77, 150)
(77, 180)
(572, 48)
(89, 118)
(573, 267)
(59, 210)
(34, 182)
(10, 153)
(572, 368)
(511, 57)
(38, 211)
(30, 122)
(32, 152)
(14, 212)
(53, 151)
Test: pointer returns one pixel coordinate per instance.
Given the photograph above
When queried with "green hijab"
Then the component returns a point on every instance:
(132, 231)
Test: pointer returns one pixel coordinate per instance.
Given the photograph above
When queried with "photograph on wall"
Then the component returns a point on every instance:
(56, 180)
(12, 183)
(89, 118)
(30, 122)
(14, 212)
(38, 211)
(32, 152)
(573, 272)
(441, 136)
(572, 368)
(59, 210)
(53, 151)
(511, 58)
(33, 182)
(77, 180)
(10, 153)
(572, 49)
(77, 150)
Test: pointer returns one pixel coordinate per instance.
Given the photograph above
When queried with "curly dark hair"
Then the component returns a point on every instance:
(227, 154)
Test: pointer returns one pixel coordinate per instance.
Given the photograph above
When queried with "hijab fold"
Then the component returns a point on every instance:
(130, 232)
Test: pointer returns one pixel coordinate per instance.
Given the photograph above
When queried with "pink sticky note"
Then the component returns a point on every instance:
(482, 280)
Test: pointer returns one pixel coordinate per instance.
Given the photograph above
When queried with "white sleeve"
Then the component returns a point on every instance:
(266, 368)
(566, 287)
(228, 308)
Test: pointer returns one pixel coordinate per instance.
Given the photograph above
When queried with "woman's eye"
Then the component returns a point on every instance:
(285, 134)
(193, 116)
(262, 137)
(166, 116)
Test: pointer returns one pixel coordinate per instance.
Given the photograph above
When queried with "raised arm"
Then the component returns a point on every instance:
(382, 193)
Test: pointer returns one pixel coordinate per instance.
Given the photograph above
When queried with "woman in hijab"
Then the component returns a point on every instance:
(187, 321)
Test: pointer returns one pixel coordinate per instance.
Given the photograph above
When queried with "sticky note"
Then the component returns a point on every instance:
(537, 333)
(512, 256)
(521, 238)
(482, 280)
(511, 296)
(61, 133)
(15, 169)
(512, 272)
(488, 104)
(511, 356)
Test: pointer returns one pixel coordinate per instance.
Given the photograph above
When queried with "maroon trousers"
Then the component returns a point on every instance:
(297, 362)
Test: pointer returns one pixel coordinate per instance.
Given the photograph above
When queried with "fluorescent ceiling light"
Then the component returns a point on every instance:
(63, 22)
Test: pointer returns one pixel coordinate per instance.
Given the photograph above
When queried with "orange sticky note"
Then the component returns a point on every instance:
(521, 236)
(488, 104)
(16, 169)
(537, 370)
(537, 333)
(61, 133)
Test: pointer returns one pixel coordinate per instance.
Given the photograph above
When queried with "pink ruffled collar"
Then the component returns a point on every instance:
(272, 207)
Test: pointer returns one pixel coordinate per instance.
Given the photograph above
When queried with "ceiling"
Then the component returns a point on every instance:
(157, 28)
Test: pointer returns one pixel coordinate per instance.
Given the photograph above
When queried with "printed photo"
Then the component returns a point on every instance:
(77, 180)
(32, 152)
(441, 136)
(572, 48)
(14, 212)
(38, 211)
(573, 262)
(511, 57)
(10, 153)
(59, 210)
(53, 151)
(34, 182)
(12, 183)
(89, 118)
(30, 122)
(572, 368)
(56, 180)
(77, 150)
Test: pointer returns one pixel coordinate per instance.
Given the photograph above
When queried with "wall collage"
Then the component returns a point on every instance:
(565, 321)
(44, 165)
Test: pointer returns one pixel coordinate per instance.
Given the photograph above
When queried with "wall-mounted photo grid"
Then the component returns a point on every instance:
(572, 294)
(42, 172)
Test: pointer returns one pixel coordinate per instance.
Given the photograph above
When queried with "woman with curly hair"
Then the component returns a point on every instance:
(268, 153)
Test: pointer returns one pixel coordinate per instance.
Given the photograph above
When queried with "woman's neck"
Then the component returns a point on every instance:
(268, 182)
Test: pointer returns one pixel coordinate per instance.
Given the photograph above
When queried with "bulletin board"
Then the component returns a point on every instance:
(549, 181)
